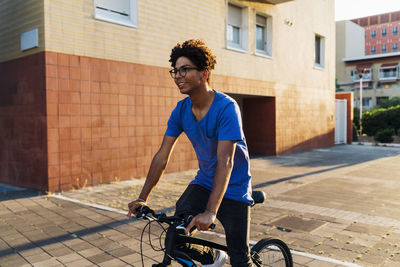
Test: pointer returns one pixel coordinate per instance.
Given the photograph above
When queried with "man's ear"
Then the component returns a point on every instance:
(205, 75)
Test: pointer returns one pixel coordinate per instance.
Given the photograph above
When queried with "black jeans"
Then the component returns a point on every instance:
(234, 217)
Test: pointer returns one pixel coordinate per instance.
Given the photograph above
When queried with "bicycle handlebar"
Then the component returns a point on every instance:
(144, 211)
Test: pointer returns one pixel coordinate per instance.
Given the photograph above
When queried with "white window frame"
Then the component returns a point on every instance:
(267, 51)
(393, 70)
(367, 99)
(320, 64)
(243, 28)
(127, 17)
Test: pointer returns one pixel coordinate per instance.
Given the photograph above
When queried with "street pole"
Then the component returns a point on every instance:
(361, 75)
(361, 102)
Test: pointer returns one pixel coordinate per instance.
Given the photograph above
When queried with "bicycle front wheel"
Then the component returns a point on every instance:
(271, 252)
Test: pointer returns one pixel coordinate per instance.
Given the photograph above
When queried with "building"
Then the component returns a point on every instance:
(381, 33)
(353, 55)
(86, 93)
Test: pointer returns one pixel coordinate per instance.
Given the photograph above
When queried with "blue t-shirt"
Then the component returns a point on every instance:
(222, 122)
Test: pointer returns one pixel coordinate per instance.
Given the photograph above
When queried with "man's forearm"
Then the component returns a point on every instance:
(156, 170)
(220, 184)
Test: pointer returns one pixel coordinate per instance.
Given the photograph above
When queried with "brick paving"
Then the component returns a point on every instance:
(339, 203)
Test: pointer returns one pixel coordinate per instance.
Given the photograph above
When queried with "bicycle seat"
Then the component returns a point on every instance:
(258, 197)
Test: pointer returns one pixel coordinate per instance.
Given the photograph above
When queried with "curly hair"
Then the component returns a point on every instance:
(197, 52)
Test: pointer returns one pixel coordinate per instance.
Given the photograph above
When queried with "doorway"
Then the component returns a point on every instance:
(259, 123)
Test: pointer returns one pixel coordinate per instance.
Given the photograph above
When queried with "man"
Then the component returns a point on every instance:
(212, 122)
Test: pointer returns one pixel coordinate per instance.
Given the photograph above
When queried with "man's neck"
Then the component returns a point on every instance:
(201, 102)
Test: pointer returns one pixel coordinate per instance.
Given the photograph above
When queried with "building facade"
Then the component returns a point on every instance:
(358, 49)
(381, 32)
(86, 94)
(381, 78)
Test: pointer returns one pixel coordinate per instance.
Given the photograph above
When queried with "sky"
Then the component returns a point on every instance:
(350, 9)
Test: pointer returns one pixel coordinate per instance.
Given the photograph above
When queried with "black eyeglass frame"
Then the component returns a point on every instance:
(182, 71)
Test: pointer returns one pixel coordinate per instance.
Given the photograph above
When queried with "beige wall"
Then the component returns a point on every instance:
(17, 17)
(354, 40)
(71, 29)
(350, 40)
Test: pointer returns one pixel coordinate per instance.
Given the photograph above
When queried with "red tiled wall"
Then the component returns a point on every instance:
(106, 120)
(23, 157)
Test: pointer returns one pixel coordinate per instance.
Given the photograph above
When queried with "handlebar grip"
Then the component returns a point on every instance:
(143, 210)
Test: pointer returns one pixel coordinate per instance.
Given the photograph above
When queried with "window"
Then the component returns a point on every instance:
(395, 47)
(395, 31)
(263, 34)
(384, 33)
(367, 102)
(373, 34)
(122, 12)
(373, 50)
(383, 48)
(379, 99)
(389, 71)
(236, 32)
(319, 51)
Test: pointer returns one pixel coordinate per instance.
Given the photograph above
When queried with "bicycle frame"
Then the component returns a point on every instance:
(177, 237)
(180, 238)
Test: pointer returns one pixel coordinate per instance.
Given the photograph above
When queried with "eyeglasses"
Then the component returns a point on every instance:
(182, 71)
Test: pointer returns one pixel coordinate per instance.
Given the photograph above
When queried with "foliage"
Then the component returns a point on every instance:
(338, 89)
(380, 119)
(387, 103)
(356, 120)
(355, 134)
(384, 135)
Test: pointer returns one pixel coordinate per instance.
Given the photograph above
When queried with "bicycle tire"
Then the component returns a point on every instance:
(271, 252)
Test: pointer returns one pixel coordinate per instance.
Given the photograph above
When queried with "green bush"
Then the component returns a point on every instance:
(387, 103)
(384, 136)
(355, 134)
(380, 119)
(356, 119)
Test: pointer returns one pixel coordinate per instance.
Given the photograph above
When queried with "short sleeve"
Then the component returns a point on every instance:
(174, 123)
(230, 124)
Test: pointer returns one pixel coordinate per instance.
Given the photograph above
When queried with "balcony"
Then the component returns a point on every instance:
(388, 72)
(367, 76)
(272, 2)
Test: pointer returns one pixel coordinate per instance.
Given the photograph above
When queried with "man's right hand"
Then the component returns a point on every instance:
(133, 206)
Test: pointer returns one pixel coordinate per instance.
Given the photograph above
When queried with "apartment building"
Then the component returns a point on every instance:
(86, 94)
(380, 70)
(381, 32)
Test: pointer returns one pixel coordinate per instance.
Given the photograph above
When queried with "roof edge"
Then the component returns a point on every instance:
(393, 54)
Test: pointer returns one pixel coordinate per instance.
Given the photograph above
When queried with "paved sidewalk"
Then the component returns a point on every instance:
(333, 206)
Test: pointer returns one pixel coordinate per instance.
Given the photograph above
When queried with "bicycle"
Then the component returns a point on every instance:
(266, 252)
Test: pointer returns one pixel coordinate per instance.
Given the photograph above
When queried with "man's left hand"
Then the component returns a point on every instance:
(202, 221)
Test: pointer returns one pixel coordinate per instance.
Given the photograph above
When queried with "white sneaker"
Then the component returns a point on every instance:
(220, 259)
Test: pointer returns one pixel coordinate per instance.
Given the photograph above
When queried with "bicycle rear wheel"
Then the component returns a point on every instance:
(271, 252)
